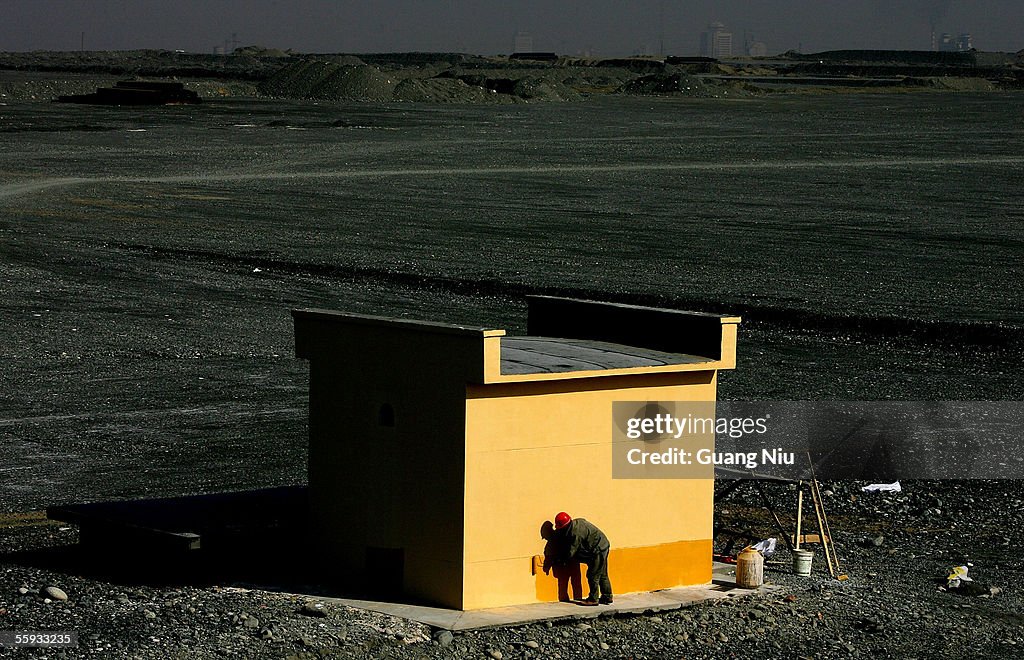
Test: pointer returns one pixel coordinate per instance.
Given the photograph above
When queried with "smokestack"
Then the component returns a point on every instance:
(935, 10)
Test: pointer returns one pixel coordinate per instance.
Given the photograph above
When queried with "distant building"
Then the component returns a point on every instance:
(757, 49)
(523, 43)
(950, 44)
(716, 42)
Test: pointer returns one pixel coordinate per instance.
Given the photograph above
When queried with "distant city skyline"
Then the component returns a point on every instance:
(601, 27)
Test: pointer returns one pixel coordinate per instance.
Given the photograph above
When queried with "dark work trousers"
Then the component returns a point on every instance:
(597, 576)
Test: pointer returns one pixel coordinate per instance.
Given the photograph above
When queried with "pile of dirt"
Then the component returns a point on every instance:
(680, 84)
(316, 79)
(222, 88)
(548, 83)
(956, 84)
(676, 83)
(683, 85)
(446, 90)
(597, 83)
(947, 83)
(544, 88)
(639, 65)
(753, 70)
(330, 80)
(346, 60)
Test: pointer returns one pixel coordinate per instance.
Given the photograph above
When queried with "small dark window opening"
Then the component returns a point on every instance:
(386, 415)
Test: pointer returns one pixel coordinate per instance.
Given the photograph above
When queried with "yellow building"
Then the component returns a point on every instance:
(437, 451)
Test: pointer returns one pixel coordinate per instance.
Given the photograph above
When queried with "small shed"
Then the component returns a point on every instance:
(437, 451)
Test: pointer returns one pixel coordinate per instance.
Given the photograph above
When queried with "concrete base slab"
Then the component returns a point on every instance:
(723, 585)
(190, 522)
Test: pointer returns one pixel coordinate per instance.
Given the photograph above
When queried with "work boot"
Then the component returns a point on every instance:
(589, 601)
(606, 600)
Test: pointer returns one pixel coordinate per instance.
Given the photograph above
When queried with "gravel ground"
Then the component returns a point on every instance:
(896, 549)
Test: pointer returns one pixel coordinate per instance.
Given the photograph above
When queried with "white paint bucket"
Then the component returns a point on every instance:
(802, 562)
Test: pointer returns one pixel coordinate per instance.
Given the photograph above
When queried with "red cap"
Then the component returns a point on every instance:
(562, 519)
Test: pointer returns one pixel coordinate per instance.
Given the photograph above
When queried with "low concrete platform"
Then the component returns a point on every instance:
(190, 522)
(723, 586)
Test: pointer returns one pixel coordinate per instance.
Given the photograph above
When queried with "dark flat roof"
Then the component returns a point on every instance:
(538, 355)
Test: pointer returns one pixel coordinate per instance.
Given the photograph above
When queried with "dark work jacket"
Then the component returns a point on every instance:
(583, 540)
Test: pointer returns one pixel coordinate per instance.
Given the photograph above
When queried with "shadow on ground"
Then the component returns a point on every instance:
(256, 539)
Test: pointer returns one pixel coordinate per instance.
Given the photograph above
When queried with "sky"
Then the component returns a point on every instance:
(596, 27)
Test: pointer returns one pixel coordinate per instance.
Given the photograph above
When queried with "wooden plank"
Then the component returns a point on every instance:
(799, 516)
(807, 538)
(821, 526)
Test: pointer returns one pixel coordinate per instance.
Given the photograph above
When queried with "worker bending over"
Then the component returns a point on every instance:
(582, 541)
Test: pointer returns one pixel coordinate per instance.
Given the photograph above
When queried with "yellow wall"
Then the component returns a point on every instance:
(645, 568)
(533, 449)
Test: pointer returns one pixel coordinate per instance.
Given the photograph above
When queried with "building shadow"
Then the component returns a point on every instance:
(258, 539)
